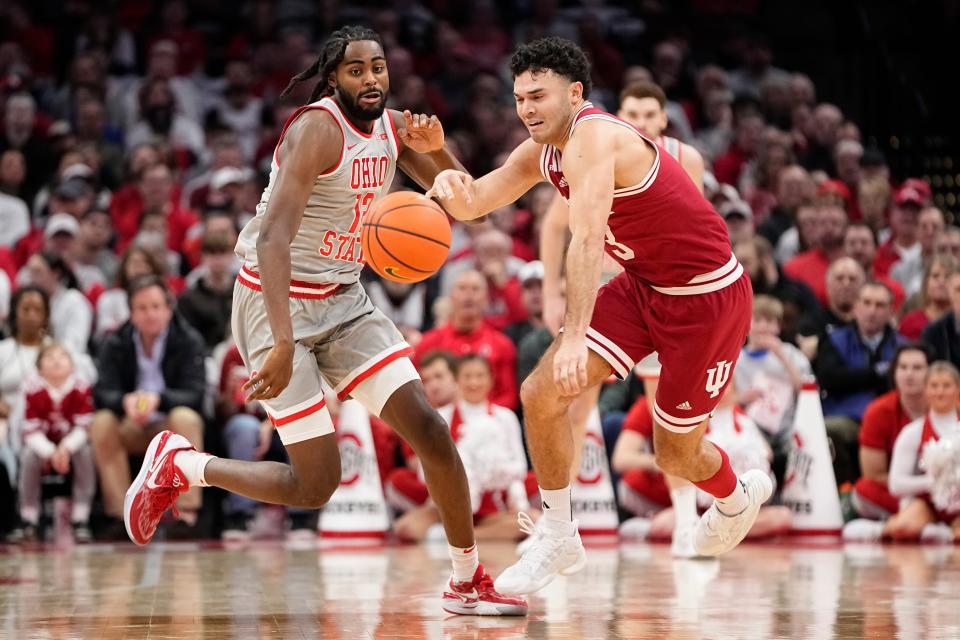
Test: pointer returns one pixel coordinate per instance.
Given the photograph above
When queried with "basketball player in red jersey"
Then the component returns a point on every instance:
(299, 313)
(642, 104)
(682, 294)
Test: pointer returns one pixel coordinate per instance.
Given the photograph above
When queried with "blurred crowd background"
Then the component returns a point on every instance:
(136, 138)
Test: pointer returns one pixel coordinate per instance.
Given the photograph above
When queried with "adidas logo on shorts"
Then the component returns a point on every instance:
(685, 406)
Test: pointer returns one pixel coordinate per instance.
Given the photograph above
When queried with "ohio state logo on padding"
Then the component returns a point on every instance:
(351, 458)
(591, 461)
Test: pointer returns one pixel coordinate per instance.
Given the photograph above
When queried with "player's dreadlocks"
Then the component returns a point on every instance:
(331, 55)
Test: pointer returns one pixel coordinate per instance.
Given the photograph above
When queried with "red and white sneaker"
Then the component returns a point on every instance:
(156, 487)
(477, 597)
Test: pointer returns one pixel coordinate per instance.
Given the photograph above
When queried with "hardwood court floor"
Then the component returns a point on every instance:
(271, 590)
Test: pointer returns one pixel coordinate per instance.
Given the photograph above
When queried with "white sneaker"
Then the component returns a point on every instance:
(862, 530)
(635, 529)
(718, 533)
(547, 556)
(682, 542)
(937, 533)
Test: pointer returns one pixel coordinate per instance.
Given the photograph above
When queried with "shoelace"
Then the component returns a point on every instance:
(527, 525)
(164, 497)
(484, 584)
(714, 529)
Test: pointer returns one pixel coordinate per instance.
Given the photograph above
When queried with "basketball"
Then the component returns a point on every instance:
(405, 237)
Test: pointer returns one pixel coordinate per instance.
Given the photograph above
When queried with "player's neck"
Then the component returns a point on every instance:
(568, 127)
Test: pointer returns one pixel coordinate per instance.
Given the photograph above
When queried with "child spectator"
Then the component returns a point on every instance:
(58, 412)
(489, 441)
(769, 374)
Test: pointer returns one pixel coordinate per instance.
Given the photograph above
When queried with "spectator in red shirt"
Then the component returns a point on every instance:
(934, 294)
(883, 420)
(155, 188)
(58, 411)
(860, 244)
(904, 243)
(467, 332)
(810, 267)
(728, 167)
(930, 225)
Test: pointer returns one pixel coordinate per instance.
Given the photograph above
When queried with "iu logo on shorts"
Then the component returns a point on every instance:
(717, 377)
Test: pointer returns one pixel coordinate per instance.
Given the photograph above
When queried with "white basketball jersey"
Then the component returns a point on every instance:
(671, 146)
(327, 245)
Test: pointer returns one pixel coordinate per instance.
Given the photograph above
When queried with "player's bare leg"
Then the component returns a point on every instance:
(689, 456)
(556, 548)
(412, 417)
(579, 412)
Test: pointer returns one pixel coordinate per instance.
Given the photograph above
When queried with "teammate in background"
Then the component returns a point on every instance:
(682, 294)
(299, 312)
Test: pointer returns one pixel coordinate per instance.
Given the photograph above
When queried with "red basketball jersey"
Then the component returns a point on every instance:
(661, 230)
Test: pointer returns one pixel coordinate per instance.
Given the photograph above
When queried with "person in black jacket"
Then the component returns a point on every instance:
(151, 378)
(943, 334)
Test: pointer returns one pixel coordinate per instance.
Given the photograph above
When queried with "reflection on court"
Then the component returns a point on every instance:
(627, 591)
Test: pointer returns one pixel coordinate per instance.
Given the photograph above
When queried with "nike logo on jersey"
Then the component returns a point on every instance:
(351, 146)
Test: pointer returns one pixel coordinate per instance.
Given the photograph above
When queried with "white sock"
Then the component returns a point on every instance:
(465, 562)
(684, 501)
(193, 464)
(734, 503)
(30, 515)
(557, 510)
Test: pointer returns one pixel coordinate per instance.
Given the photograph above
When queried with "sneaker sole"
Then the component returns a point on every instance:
(483, 609)
(576, 567)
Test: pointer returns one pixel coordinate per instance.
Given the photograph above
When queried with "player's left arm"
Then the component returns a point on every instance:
(588, 165)
(423, 153)
(693, 163)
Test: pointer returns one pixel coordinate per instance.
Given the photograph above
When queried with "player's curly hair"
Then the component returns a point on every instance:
(331, 55)
(559, 55)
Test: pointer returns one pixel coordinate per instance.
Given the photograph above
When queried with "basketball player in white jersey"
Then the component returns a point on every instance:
(642, 104)
(299, 313)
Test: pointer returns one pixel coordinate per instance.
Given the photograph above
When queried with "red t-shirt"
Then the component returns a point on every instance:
(913, 324)
(488, 342)
(640, 419)
(810, 268)
(882, 422)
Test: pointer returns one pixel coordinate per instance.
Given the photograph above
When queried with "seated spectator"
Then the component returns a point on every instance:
(14, 220)
(113, 308)
(151, 379)
(71, 315)
(154, 192)
(466, 332)
(873, 196)
(934, 297)
(799, 303)
(948, 242)
(803, 235)
(860, 244)
(160, 121)
(643, 489)
(207, 304)
(852, 365)
(739, 218)
(498, 475)
(844, 279)
(942, 335)
(918, 519)
(61, 238)
(492, 258)
(58, 411)
(531, 281)
(439, 381)
(930, 225)
(93, 244)
(903, 245)
(810, 267)
(883, 420)
(769, 373)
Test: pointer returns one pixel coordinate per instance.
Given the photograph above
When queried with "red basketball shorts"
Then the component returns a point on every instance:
(698, 337)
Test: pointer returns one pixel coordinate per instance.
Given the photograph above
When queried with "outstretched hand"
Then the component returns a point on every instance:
(421, 133)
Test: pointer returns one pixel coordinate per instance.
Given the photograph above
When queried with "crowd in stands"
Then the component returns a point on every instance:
(135, 144)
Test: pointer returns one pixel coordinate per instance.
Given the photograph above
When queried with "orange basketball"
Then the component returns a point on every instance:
(405, 237)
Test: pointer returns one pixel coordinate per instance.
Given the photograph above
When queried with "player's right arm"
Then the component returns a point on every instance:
(311, 145)
(467, 199)
(553, 243)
